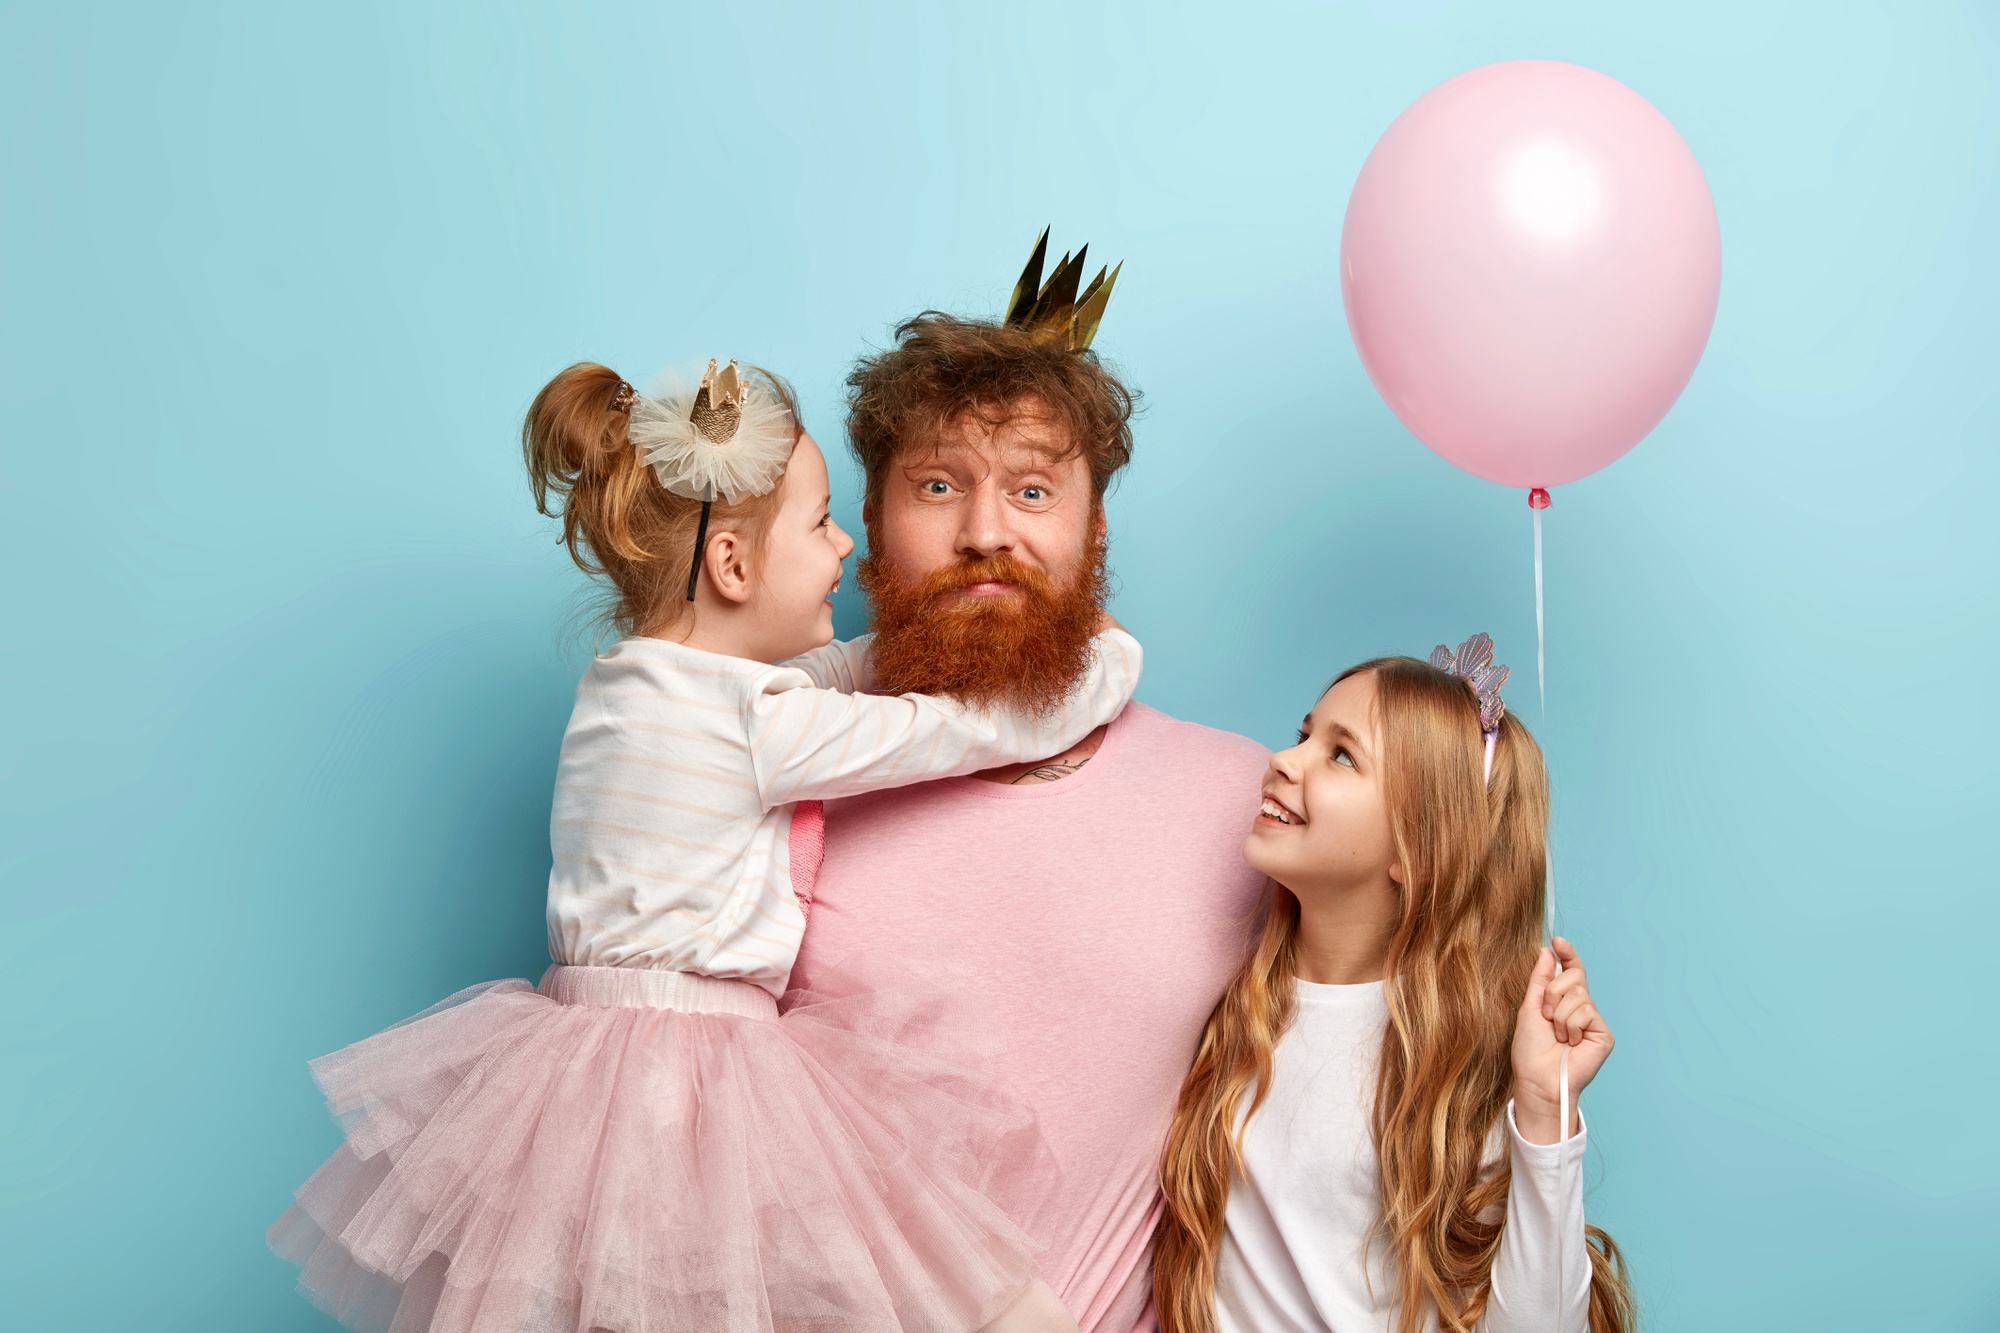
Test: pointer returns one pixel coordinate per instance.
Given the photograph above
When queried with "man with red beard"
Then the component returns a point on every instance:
(1093, 905)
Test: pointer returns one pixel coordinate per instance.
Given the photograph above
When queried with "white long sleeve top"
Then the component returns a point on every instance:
(1297, 1253)
(680, 769)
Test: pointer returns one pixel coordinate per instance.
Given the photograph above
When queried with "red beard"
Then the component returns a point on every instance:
(1026, 651)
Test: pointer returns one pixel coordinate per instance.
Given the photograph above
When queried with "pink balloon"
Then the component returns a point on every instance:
(1530, 266)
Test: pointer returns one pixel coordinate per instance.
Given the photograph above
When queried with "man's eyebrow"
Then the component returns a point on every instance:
(932, 454)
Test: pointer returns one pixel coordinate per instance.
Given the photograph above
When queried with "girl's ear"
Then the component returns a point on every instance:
(724, 566)
(1396, 872)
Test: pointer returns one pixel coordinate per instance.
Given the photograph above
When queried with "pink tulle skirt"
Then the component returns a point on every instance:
(642, 1151)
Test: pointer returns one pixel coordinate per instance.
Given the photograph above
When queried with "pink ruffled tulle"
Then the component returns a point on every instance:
(513, 1163)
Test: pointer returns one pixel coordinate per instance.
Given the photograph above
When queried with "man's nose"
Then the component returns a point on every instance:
(984, 528)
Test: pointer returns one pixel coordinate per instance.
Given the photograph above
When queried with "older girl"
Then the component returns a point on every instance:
(1370, 1135)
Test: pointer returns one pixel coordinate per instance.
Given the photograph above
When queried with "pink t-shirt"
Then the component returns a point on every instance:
(1097, 918)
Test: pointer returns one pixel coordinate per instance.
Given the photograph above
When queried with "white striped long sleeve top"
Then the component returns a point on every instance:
(680, 768)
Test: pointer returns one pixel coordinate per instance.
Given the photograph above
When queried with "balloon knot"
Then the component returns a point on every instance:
(1538, 498)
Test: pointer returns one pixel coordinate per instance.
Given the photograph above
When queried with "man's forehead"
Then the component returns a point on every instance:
(1021, 436)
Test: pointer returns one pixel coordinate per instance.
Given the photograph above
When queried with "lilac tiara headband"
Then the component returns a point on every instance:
(1473, 663)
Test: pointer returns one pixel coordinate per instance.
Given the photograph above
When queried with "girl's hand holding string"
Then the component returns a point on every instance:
(1556, 1012)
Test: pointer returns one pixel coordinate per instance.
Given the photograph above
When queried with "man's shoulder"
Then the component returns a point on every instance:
(1189, 740)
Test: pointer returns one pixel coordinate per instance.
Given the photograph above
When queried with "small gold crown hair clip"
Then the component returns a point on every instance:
(718, 404)
(1055, 304)
(725, 438)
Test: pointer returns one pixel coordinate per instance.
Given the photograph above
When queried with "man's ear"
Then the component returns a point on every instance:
(725, 566)
(868, 513)
(1101, 528)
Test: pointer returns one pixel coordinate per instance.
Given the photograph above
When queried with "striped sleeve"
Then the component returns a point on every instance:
(817, 744)
(840, 665)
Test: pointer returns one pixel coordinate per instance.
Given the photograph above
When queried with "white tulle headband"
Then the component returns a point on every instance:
(1473, 663)
(728, 438)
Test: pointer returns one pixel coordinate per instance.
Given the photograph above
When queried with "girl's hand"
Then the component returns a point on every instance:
(1557, 1012)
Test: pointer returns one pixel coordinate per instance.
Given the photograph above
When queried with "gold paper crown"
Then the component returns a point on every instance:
(1055, 304)
(718, 404)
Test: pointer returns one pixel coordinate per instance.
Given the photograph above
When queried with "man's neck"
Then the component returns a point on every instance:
(1047, 770)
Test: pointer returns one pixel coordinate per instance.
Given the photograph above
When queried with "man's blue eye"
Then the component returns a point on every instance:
(936, 487)
(1032, 493)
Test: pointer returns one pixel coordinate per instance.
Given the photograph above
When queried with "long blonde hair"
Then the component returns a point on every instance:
(1468, 928)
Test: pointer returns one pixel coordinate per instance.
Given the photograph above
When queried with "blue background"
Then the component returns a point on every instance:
(287, 653)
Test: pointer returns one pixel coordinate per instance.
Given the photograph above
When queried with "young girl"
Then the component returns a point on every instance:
(1370, 1136)
(641, 1144)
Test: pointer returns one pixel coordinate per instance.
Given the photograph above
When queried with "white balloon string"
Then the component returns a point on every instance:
(1542, 687)
(1541, 662)
(1549, 919)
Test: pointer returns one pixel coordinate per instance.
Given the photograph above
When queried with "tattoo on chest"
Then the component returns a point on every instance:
(1049, 772)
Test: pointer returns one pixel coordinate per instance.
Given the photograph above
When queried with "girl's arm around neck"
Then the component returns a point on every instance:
(841, 666)
(810, 743)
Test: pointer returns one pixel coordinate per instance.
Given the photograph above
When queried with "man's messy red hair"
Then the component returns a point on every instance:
(901, 401)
